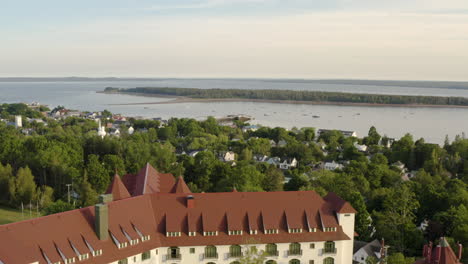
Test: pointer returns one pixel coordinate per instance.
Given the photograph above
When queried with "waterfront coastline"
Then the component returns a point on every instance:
(185, 99)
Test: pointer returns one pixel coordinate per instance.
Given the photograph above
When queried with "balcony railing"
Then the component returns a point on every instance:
(235, 255)
(295, 252)
(210, 256)
(329, 251)
(174, 256)
(272, 253)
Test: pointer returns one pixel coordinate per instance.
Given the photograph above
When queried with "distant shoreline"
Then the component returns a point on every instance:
(184, 99)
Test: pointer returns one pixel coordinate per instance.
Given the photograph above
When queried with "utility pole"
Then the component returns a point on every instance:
(68, 187)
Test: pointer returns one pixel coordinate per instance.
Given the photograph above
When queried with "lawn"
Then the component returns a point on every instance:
(10, 215)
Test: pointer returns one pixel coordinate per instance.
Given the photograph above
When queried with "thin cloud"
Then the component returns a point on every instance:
(203, 4)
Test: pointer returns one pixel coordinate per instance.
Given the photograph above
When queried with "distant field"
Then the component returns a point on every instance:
(10, 215)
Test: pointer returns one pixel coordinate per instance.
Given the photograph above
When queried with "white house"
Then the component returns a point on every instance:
(288, 163)
(331, 166)
(363, 250)
(361, 148)
(228, 156)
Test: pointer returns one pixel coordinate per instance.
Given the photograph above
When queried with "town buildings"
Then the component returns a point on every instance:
(440, 254)
(150, 217)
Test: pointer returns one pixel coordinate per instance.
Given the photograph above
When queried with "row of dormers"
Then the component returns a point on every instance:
(252, 232)
(294, 223)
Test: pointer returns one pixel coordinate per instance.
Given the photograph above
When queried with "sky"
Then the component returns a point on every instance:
(359, 39)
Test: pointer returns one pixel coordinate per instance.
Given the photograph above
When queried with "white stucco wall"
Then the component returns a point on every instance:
(159, 255)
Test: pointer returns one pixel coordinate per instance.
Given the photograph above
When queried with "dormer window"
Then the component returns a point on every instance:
(295, 230)
(134, 242)
(97, 253)
(329, 229)
(235, 232)
(173, 234)
(192, 233)
(83, 257)
(312, 229)
(271, 231)
(145, 238)
(116, 241)
(69, 260)
(210, 233)
(253, 232)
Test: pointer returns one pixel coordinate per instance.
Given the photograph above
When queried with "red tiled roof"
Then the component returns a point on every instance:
(340, 206)
(155, 214)
(180, 186)
(118, 189)
(149, 180)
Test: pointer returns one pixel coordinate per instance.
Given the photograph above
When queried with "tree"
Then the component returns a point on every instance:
(6, 174)
(57, 207)
(274, 179)
(246, 154)
(372, 260)
(395, 222)
(24, 186)
(98, 175)
(399, 258)
(88, 195)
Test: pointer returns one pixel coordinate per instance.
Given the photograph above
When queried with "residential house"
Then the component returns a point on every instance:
(363, 250)
(345, 133)
(331, 166)
(288, 164)
(227, 156)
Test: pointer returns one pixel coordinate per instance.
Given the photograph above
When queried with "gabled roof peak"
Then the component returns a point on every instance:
(118, 189)
(180, 186)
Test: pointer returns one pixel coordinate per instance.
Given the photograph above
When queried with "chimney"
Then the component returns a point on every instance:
(101, 217)
(190, 201)
(460, 249)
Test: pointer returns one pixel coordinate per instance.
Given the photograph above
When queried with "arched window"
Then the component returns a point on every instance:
(294, 261)
(210, 252)
(235, 251)
(173, 253)
(271, 262)
(271, 250)
(295, 249)
(328, 260)
(330, 247)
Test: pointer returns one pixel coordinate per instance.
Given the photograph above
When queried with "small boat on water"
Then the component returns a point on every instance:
(316, 116)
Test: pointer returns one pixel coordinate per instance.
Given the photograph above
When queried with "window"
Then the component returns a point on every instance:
(270, 262)
(253, 232)
(329, 229)
(312, 229)
(210, 233)
(330, 247)
(192, 233)
(312, 245)
(271, 231)
(295, 230)
(294, 261)
(192, 250)
(210, 252)
(328, 261)
(173, 253)
(235, 251)
(347, 215)
(295, 249)
(123, 261)
(146, 255)
(235, 232)
(173, 234)
(311, 262)
(271, 250)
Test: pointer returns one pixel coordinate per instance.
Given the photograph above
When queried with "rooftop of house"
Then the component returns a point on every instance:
(440, 254)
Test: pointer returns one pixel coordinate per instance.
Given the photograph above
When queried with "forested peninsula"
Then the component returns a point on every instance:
(290, 96)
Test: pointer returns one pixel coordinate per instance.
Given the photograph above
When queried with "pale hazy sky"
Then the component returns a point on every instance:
(374, 39)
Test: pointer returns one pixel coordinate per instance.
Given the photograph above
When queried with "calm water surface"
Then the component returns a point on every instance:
(431, 123)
